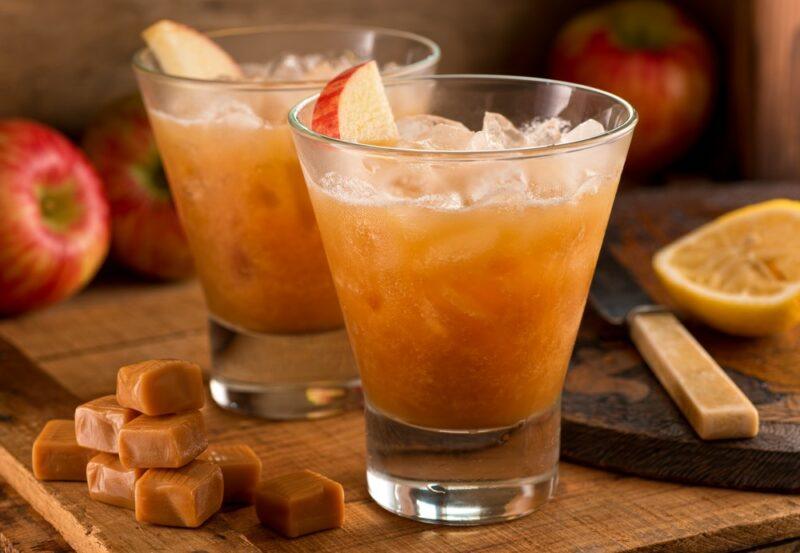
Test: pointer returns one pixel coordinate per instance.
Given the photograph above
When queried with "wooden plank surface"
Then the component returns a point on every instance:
(28, 398)
(22, 529)
(593, 511)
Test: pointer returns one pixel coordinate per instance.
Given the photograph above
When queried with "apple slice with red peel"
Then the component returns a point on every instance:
(185, 52)
(353, 106)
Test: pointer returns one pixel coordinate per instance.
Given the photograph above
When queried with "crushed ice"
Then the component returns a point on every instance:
(301, 67)
(432, 132)
(548, 179)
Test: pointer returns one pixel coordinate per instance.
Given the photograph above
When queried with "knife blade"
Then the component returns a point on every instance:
(614, 294)
(712, 403)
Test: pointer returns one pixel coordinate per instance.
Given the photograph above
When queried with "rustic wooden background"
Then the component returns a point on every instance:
(81, 343)
(60, 60)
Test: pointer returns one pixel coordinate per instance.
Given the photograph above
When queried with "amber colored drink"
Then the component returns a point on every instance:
(243, 201)
(278, 346)
(463, 319)
(462, 256)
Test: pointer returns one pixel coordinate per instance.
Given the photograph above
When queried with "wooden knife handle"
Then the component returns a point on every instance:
(709, 399)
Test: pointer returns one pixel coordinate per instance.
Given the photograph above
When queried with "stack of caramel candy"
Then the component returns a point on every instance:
(146, 449)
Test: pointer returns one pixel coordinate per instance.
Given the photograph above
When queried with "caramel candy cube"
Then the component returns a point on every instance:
(183, 497)
(170, 441)
(161, 387)
(57, 455)
(241, 470)
(98, 422)
(110, 482)
(300, 503)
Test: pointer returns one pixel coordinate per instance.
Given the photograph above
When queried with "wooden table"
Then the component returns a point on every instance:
(82, 342)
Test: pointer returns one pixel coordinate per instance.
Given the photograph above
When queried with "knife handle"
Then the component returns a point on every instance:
(707, 397)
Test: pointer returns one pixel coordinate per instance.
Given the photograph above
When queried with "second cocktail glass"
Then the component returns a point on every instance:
(462, 274)
(278, 350)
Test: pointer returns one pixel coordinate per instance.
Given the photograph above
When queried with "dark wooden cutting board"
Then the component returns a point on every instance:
(615, 413)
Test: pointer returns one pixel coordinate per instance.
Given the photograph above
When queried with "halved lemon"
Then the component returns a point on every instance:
(741, 272)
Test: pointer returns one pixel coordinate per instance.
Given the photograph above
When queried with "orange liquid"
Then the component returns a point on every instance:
(463, 319)
(243, 202)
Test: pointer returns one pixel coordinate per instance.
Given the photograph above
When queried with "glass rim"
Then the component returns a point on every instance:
(428, 61)
(525, 151)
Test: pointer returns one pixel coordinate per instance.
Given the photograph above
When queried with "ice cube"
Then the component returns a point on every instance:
(500, 130)
(431, 132)
(350, 189)
(482, 141)
(291, 67)
(544, 132)
(498, 186)
(586, 130)
(301, 67)
(228, 111)
(447, 200)
(416, 127)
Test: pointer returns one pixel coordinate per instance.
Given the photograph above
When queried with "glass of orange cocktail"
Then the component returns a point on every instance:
(462, 262)
(278, 349)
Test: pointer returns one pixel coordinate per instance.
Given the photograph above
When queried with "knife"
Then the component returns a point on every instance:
(708, 398)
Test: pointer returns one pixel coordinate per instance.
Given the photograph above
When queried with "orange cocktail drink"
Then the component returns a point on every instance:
(255, 242)
(277, 343)
(462, 255)
(463, 318)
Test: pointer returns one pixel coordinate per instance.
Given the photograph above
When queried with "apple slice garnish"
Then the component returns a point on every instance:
(353, 106)
(185, 52)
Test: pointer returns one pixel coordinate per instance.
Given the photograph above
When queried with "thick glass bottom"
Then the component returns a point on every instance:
(461, 504)
(462, 477)
(283, 376)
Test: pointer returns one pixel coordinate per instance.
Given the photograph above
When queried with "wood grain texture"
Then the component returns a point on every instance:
(22, 529)
(593, 510)
(615, 413)
(28, 398)
(63, 73)
(76, 340)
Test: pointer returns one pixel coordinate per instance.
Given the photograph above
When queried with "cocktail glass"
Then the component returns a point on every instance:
(277, 346)
(462, 276)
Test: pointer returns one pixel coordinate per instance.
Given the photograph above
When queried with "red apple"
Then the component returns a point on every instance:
(147, 235)
(53, 217)
(353, 106)
(650, 54)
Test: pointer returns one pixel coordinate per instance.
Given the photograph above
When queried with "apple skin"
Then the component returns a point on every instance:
(325, 119)
(146, 232)
(649, 53)
(54, 217)
(353, 106)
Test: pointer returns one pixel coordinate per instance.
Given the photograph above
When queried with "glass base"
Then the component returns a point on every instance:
(461, 504)
(462, 477)
(314, 400)
(283, 376)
